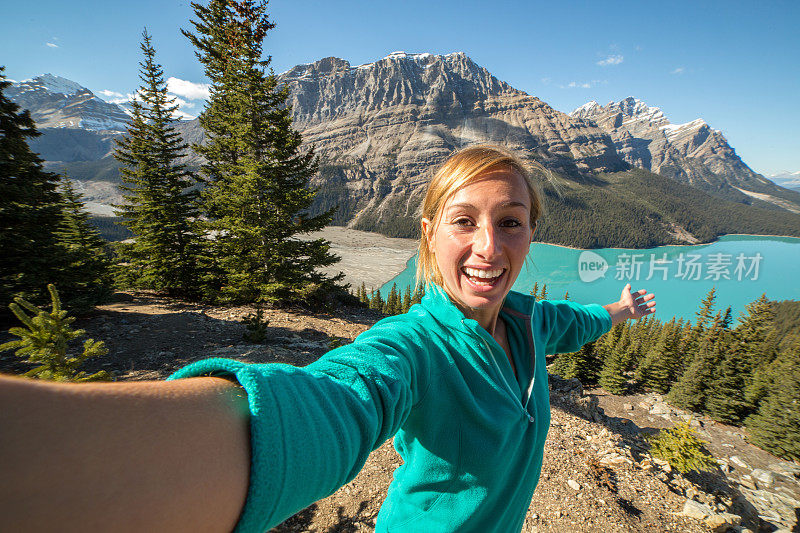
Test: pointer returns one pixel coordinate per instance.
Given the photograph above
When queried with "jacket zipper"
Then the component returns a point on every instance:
(517, 401)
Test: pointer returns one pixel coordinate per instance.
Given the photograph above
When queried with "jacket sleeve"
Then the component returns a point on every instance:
(567, 326)
(312, 428)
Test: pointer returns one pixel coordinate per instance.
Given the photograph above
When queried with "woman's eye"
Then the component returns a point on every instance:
(462, 222)
(511, 223)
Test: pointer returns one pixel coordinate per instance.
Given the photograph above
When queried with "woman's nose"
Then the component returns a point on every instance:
(486, 243)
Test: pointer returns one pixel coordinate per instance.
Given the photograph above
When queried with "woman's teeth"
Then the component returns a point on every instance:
(483, 276)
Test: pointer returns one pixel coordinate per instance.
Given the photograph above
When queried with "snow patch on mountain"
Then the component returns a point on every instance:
(54, 84)
(674, 130)
(639, 111)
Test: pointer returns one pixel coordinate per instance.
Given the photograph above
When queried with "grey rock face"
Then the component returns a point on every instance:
(693, 152)
(382, 128)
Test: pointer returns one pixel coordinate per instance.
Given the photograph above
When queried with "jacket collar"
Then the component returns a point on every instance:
(437, 302)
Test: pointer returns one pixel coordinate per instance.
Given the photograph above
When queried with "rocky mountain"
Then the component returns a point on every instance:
(56, 102)
(693, 152)
(380, 130)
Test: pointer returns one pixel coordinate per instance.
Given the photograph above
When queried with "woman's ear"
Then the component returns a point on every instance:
(427, 230)
(533, 230)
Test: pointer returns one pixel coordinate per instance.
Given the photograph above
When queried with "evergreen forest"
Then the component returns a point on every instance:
(745, 372)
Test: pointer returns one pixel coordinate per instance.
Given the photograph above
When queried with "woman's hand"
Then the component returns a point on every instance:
(631, 305)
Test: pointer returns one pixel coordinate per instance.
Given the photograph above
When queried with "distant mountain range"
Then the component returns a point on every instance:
(693, 153)
(57, 102)
(790, 180)
(382, 127)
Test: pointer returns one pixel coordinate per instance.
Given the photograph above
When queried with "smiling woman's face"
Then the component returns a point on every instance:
(481, 239)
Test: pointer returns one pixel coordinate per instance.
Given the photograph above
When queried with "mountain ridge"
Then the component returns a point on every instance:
(382, 127)
(57, 102)
(691, 152)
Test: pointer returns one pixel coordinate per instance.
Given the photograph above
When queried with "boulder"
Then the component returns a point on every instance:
(697, 510)
(765, 478)
(660, 409)
(721, 522)
(738, 462)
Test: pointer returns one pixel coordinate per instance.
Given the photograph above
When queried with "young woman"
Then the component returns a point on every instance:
(459, 381)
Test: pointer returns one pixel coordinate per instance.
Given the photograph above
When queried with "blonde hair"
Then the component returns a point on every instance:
(462, 168)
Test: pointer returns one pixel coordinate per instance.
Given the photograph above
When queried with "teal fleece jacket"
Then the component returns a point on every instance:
(470, 432)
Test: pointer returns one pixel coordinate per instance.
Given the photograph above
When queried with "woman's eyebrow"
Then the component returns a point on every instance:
(467, 205)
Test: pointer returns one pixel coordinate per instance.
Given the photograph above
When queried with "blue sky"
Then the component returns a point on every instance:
(735, 64)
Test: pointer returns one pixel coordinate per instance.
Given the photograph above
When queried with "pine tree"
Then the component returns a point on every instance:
(612, 376)
(89, 267)
(753, 333)
(419, 293)
(583, 364)
(681, 448)
(257, 195)
(726, 400)
(776, 425)
(691, 389)
(657, 369)
(45, 339)
(363, 296)
(160, 203)
(605, 344)
(29, 208)
(376, 302)
(691, 343)
(392, 306)
(407, 299)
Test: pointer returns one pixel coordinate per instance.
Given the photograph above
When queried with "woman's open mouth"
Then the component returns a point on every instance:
(483, 277)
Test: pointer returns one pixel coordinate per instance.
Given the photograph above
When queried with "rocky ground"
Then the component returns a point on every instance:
(597, 474)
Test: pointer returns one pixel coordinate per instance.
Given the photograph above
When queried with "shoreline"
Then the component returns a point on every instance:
(663, 245)
(375, 259)
(366, 257)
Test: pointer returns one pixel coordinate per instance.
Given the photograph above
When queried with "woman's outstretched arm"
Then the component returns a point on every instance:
(133, 456)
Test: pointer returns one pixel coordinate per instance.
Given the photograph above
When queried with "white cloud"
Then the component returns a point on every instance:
(679, 70)
(113, 97)
(614, 59)
(121, 99)
(109, 94)
(182, 115)
(546, 81)
(583, 84)
(188, 89)
(52, 45)
(182, 103)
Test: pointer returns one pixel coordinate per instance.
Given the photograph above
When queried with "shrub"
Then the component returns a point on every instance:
(45, 341)
(256, 327)
(681, 448)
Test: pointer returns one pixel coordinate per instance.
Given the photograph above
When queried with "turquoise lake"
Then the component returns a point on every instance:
(741, 267)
